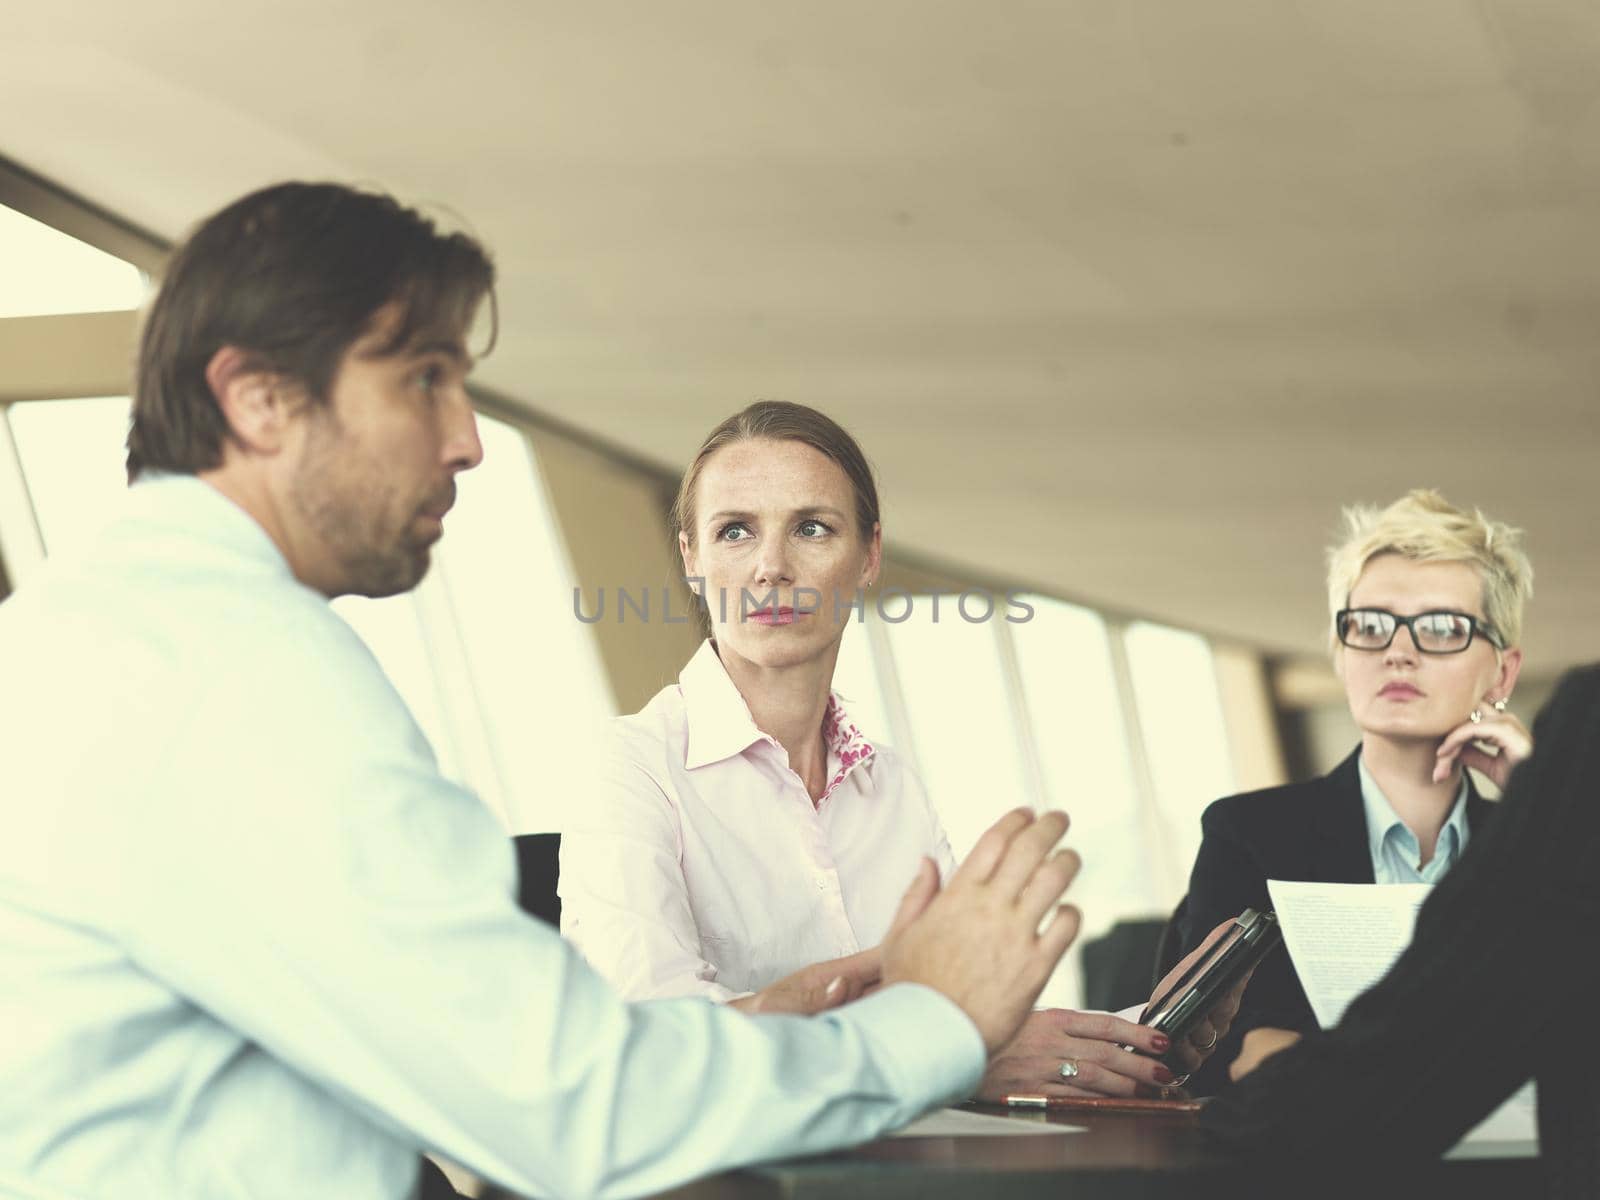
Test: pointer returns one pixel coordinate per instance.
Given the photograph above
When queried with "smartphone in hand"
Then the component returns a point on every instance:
(1252, 936)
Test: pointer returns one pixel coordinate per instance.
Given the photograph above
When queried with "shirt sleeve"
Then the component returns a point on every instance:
(624, 899)
(310, 880)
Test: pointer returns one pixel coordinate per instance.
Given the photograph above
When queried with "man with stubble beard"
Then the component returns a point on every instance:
(253, 943)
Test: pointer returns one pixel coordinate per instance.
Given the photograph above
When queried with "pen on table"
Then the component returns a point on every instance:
(1027, 1102)
(1178, 1103)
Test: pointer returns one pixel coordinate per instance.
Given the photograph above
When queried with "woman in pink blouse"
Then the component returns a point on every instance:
(745, 829)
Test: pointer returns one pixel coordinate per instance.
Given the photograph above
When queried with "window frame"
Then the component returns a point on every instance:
(66, 211)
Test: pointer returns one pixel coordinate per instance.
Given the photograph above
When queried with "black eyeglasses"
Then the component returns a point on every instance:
(1431, 632)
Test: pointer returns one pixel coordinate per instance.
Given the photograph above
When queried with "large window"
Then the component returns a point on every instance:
(1068, 677)
(857, 679)
(962, 716)
(46, 272)
(71, 448)
(535, 675)
(1185, 739)
(71, 453)
(1121, 726)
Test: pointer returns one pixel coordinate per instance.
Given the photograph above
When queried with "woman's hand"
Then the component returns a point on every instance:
(1213, 1027)
(1508, 736)
(1259, 1045)
(1088, 1046)
(817, 988)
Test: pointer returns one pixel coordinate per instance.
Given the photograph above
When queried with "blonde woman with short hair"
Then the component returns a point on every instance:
(1425, 601)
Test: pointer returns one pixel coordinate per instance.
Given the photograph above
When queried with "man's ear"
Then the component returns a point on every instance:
(257, 404)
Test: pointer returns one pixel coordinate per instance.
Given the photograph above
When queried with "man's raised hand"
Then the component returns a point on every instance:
(979, 940)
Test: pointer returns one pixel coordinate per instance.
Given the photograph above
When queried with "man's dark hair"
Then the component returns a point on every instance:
(292, 275)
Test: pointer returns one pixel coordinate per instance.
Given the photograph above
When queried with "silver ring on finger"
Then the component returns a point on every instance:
(1207, 1045)
(1174, 1090)
(1068, 1068)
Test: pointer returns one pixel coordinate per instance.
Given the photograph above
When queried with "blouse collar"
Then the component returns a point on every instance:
(720, 725)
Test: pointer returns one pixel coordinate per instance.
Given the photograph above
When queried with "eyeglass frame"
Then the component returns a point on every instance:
(1475, 625)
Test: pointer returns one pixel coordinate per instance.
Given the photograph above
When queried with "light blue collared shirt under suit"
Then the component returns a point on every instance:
(1394, 847)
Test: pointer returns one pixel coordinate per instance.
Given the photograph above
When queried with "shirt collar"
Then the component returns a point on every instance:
(189, 504)
(845, 742)
(1381, 817)
(720, 724)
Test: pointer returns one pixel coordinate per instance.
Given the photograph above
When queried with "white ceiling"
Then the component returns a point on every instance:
(1124, 297)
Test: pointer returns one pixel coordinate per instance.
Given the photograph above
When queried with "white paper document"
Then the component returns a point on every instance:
(954, 1122)
(1342, 938)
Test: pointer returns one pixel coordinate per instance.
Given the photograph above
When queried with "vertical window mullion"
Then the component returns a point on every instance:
(1021, 722)
(894, 701)
(21, 541)
(1170, 876)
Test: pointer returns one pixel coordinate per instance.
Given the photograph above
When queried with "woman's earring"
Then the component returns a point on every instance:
(1500, 704)
(1477, 716)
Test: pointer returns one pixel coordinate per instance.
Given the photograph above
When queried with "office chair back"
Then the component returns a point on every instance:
(1116, 966)
(1170, 948)
(538, 869)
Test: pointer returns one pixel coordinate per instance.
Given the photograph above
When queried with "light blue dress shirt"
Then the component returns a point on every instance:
(1394, 848)
(252, 944)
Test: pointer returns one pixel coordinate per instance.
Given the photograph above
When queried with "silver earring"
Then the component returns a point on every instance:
(1477, 716)
(1500, 704)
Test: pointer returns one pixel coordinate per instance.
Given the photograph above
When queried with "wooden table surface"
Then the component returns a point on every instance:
(1119, 1156)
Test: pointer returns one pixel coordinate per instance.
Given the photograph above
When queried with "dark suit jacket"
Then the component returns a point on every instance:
(1314, 832)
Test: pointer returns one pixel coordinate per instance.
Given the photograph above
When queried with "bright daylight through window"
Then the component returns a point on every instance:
(46, 272)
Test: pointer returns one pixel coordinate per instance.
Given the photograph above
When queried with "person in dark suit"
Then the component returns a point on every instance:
(1493, 990)
(1427, 604)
